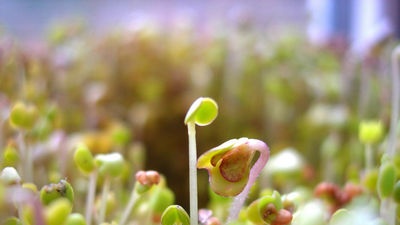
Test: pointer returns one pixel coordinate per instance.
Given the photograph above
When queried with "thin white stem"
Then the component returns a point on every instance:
(104, 195)
(388, 211)
(27, 160)
(128, 209)
(369, 157)
(395, 102)
(90, 197)
(192, 173)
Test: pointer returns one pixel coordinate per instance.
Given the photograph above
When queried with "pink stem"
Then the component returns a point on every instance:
(262, 160)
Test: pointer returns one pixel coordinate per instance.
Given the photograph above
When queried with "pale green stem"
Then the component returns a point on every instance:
(125, 215)
(369, 157)
(388, 209)
(27, 162)
(90, 197)
(239, 200)
(192, 173)
(104, 195)
(21, 213)
(395, 102)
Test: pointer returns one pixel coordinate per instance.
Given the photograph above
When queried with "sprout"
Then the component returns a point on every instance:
(83, 159)
(396, 192)
(370, 132)
(202, 112)
(386, 179)
(52, 192)
(110, 164)
(144, 181)
(58, 211)
(231, 170)
(10, 155)
(75, 219)
(269, 210)
(175, 214)
(9, 175)
(23, 116)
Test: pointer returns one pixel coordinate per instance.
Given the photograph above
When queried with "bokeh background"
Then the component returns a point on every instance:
(292, 73)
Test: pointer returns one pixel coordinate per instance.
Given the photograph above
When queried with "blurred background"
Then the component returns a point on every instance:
(293, 73)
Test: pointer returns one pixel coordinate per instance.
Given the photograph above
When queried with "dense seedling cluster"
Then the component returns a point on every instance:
(92, 132)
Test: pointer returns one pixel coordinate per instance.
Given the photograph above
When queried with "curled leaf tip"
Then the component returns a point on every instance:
(230, 164)
(202, 112)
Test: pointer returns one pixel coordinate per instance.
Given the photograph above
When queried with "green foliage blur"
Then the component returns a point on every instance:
(269, 85)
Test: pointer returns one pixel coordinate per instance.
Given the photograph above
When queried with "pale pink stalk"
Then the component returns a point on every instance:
(258, 166)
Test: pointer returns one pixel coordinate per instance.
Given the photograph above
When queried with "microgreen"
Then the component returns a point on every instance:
(202, 112)
(230, 169)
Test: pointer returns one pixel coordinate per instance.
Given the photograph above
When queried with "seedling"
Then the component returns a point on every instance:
(231, 171)
(202, 112)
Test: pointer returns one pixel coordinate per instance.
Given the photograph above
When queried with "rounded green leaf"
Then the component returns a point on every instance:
(58, 211)
(75, 219)
(84, 159)
(341, 217)
(23, 115)
(110, 164)
(396, 192)
(386, 179)
(174, 215)
(265, 209)
(370, 131)
(51, 192)
(202, 112)
(10, 156)
(12, 221)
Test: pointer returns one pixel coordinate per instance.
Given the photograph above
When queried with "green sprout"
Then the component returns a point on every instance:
(57, 212)
(269, 210)
(370, 132)
(85, 162)
(84, 159)
(175, 214)
(231, 170)
(144, 181)
(75, 219)
(23, 116)
(52, 192)
(202, 112)
(110, 166)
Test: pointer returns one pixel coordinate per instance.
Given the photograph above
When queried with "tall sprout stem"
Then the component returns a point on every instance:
(369, 157)
(388, 208)
(104, 195)
(395, 101)
(27, 162)
(90, 197)
(192, 173)
(128, 209)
